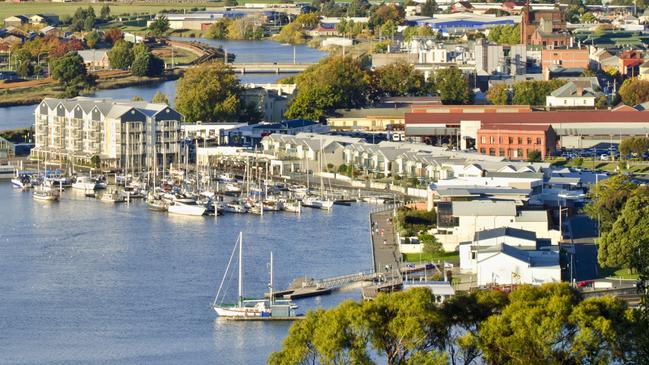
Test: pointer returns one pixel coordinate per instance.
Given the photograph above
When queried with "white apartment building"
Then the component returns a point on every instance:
(123, 134)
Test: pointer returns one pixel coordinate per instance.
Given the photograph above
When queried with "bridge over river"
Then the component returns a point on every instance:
(274, 67)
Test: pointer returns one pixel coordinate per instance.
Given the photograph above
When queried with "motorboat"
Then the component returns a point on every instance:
(22, 181)
(45, 192)
(186, 209)
(235, 208)
(232, 188)
(227, 178)
(317, 202)
(112, 197)
(85, 183)
(292, 207)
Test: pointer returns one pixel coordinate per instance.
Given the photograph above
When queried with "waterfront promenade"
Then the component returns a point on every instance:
(385, 251)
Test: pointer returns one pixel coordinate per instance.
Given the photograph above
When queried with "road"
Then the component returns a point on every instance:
(384, 245)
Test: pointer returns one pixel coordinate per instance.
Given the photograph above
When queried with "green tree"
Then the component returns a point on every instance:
(121, 55)
(95, 161)
(335, 82)
(629, 233)
(430, 244)
(245, 29)
(291, 33)
(429, 8)
(453, 86)
(398, 79)
(70, 71)
(551, 325)
(505, 34)
(534, 156)
(498, 94)
(534, 92)
(606, 200)
(83, 19)
(104, 13)
(218, 30)
(159, 27)
(588, 17)
(25, 68)
(92, 38)
(209, 92)
(380, 14)
(358, 8)
(388, 28)
(137, 98)
(160, 98)
(634, 91)
(140, 65)
(422, 31)
(635, 145)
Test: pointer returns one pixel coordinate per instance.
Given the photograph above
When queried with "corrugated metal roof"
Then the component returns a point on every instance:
(484, 208)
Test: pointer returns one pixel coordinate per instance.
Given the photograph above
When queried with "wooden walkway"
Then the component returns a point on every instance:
(385, 251)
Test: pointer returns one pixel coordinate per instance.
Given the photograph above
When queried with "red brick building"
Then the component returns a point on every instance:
(549, 20)
(515, 142)
(630, 62)
(572, 58)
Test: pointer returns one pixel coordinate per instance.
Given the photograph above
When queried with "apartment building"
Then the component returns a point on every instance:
(122, 134)
(515, 142)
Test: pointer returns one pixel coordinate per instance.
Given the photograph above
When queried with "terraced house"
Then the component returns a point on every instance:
(122, 134)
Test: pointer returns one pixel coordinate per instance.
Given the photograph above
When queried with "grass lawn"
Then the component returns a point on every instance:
(452, 257)
(619, 274)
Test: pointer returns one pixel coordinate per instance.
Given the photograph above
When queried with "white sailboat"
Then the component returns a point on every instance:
(251, 309)
(85, 183)
(179, 208)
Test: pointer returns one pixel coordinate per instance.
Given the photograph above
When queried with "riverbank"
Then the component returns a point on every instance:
(33, 94)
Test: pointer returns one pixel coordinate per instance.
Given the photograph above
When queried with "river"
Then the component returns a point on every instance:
(246, 51)
(84, 282)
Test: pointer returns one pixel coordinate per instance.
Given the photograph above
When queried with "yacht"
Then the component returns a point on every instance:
(22, 181)
(292, 207)
(85, 183)
(186, 209)
(317, 202)
(235, 208)
(112, 197)
(45, 192)
(228, 178)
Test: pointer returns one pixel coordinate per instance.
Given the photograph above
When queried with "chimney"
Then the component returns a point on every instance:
(579, 89)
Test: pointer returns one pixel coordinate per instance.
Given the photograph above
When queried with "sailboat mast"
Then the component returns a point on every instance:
(270, 286)
(240, 269)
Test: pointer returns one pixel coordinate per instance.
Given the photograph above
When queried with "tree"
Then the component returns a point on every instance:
(218, 30)
(551, 325)
(635, 145)
(137, 98)
(588, 17)
(453, 86)
(231, 3)
(71, 73)
(634, 91)
(534, 156)
(607, 198)
(121, 55)
(534, 92)
(429, 8)
(245, 29)
(388, 28)
(505, 34)
(498, 94)
(25, 68)
(629, 233)
(146, 64)
(160, 98)
(430, 244)
(380, 14)
(209, 92)
(291, 33)
(83, 19)
(358, 8)
(95, 161)
(92, 38)
(159, 27)
(422, 31)
(112, 35)
(335, 82)
(104, 13)
(398, 79)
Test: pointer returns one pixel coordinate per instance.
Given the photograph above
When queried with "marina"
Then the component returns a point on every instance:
(156, 275)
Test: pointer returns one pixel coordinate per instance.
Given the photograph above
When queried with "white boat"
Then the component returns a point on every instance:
(156, 204)
(186, 209)
(235, 208)
(292, 207)
(317, 202)
(22, 181)
(232, 188)
(269, 308)
(226, 178)
(85, 183)
(45, 192)
(112, 197)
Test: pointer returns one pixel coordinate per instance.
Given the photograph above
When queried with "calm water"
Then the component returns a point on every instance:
(246, 51)
(83, 282)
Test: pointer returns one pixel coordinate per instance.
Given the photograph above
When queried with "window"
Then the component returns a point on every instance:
(501, 152)
(529, 140)
(500, 140)
(519, 153)
(491, 140)
(483, 139)
(492, 152)
(538, 141)
(483, 151)
(511, 140)
(520, 140)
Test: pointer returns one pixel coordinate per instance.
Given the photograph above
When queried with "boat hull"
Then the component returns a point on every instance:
(237, 312)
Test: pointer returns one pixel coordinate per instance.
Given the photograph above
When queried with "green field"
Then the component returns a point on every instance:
(452, 257)
(8, 9)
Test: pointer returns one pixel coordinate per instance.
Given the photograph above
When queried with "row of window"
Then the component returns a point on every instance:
(517, 153)
(510, 140)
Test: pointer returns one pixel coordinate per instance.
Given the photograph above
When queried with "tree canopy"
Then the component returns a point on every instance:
(636, 145)
(547, 324)
(71, 73)
(398, 79)
(607, 198)
(429, 8)
(159, 27)
(83, 19)
(505, 34)
(209, 92)
(453, 86)
(121, 55)
(634, 91)
(160, 98)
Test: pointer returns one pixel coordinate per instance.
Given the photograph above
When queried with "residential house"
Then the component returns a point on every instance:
(574, 94)
(16, 21)
(95, 59)
(630, 62)
(44, 19)
(270, 100)
(531, 20)
(507, 256)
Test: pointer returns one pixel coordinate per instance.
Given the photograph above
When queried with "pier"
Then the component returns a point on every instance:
(385, 251)
(276, 68)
